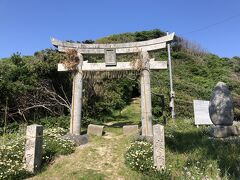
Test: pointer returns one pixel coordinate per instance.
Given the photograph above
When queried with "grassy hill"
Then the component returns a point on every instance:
(195, 72)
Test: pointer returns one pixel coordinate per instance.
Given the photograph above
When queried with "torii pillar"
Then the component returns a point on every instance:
(76, 109)
(146, 102)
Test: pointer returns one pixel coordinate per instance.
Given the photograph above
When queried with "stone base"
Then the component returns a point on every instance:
(77, 139)
(224, 131)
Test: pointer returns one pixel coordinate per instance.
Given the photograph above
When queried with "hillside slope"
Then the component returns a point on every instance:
(195, 73)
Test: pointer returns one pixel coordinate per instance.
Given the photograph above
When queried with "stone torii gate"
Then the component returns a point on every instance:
(110, 51)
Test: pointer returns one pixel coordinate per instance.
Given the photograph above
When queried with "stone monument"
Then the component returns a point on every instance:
(33, 148)
(159, 146)
(221, 112)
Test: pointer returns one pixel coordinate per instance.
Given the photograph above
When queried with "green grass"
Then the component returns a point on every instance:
(129, 115)
(87, 175)
(190, 150)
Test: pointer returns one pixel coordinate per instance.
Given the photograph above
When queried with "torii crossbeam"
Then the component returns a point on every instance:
(110, 51)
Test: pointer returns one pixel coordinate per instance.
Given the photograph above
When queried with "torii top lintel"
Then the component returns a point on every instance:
(121, 48)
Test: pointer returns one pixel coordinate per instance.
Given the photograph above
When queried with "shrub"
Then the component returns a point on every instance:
(54, 145)
(55, 132)
(139, 157)
(12, 148)
(11, 157)
(53, 122)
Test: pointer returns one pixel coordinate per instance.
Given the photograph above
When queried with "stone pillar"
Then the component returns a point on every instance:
(159, 146)
(33, 148)
(146, 103)
(76, 109)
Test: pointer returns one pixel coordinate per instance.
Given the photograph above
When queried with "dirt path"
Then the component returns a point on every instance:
(101, 158)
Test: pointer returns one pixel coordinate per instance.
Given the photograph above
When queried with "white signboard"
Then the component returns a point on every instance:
(201, 113)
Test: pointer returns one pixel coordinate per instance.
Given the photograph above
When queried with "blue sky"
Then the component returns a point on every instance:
(27, 25)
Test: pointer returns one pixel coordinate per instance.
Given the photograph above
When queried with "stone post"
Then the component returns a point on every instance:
(146, 103)
(159, 146)
(33, 148)
(76, 109)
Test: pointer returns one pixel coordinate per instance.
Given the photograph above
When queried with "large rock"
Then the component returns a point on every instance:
(221, 106)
